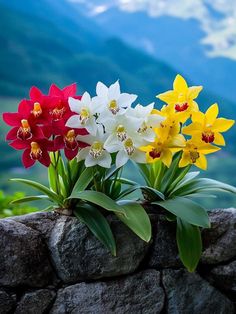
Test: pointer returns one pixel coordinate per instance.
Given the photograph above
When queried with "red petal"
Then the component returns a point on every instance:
(18, 144)
(81, 132)
(55, 91)
(38, 132)
(45, 160)
(25, 108)
(26, 159)
(47, 130)
(82, 144)
(70, 154)
(69, 91)
(12, 119)
(35, 93)
(12, 134)
(59, 143)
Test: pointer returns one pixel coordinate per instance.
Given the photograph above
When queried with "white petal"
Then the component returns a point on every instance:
(112, 144)
(105, 160)
(90, 161)
(91, 126)
(97, 105)
(121, 158)
(102, 90)
(86, 99)
(125, 100)
(149, 135)
(144, 111)
(83, 153)
(89, 139)
(154, 120)
(73, 103)
(139, 157)
(74, 122)
(114, 91)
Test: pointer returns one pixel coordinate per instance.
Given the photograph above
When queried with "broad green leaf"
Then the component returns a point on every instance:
(99, 199)
(98, 225)
(126, 181)
(111, 171)
(186, 209)
(53, 196)
(187, 178)
(52, 178)
(128, 191)
(30, 199)
(154, 194)
(136, 219)
(145, 172)
(83, 181)
(170, 173)
(189, 244)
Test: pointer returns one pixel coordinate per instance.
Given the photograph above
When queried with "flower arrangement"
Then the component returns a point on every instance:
(99, 135)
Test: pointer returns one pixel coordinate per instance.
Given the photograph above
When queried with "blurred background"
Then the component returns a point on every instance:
(143, 43)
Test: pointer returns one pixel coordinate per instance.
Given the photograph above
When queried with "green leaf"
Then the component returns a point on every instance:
(29, 199)
(53, 196)
(189, 244)
(126, 181)
(184, 181)
(145, 172)
(136, 219)
(52, 178)
(83, 181)
(186, 209)
(97, 224)
(99, 199)
(153, 193)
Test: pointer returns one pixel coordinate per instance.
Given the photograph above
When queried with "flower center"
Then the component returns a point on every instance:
(96, 149)
(155, 153)
(84, 115)
(58, 112)
(70, 140)
(121, 132)
(143, 128)
(37, 111)
(113, 107)
(181, 107)
(35, 152)
(194, 155)
(208, 136)
(24, 132)
(129, 146)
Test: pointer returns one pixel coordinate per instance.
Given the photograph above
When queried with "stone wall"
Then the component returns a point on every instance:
(53, 264)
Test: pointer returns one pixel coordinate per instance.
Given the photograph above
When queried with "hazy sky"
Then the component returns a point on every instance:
(216, 17)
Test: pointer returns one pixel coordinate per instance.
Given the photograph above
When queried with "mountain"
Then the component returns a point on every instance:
(189, 35)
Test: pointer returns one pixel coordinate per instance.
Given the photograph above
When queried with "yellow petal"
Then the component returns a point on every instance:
(198, 117)
(219, 139)
(183, 116)
(222, 125)
(150, 160)
(192, 128)
(185, 160)
(166, 157)
(193, 92)
(169, 97)
(147, 148)
(195, 107)
(208, 149)
(177, 141)
(180, 84)
(201, 162)
(211, 114)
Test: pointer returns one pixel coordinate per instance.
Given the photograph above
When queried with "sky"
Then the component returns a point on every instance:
(217, 18)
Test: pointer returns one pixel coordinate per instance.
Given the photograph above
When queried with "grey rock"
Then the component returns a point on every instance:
(219, 241)
(78, 255)
(136, 294)
(23, 256)
(36, 302)
(43, 222)
(224, 276)
(164, 251)
(7, 302)
(189, 293)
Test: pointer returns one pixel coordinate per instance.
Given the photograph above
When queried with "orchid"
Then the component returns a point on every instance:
(86, 111)
(86, 141)
(111, 101)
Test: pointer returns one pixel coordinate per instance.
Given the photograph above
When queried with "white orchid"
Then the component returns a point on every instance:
(110, 100)
(95, 154)
(149, 121)
(86, 111)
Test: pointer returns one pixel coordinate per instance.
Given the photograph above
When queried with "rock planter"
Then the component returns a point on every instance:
(53, 264)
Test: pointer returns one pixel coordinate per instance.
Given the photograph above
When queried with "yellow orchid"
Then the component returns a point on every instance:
(194, 153)
(163, 146)
(181, 98)
(207, 127)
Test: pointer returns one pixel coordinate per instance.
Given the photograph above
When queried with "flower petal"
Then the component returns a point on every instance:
(90, 161)
(201, 162)
(180, 84)
(105, 160)
(219, 139)
(35, 93)
(26, 159)
(222, 125)
(74, 104)
(74, 122)
(12, 119)
(69, 90)
(102, 90)
(121, 158)
(185, 160)
(139, 157)
(193, 92)
(114, 91)
(169, 97)
(211, 114)
(166, 157)
(125, 100)
(192, 128)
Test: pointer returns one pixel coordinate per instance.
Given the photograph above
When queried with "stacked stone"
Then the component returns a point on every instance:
(53, 264)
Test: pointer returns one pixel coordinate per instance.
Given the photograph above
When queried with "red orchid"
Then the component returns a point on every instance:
(69, 142)
(24, 125)
(36, 150)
